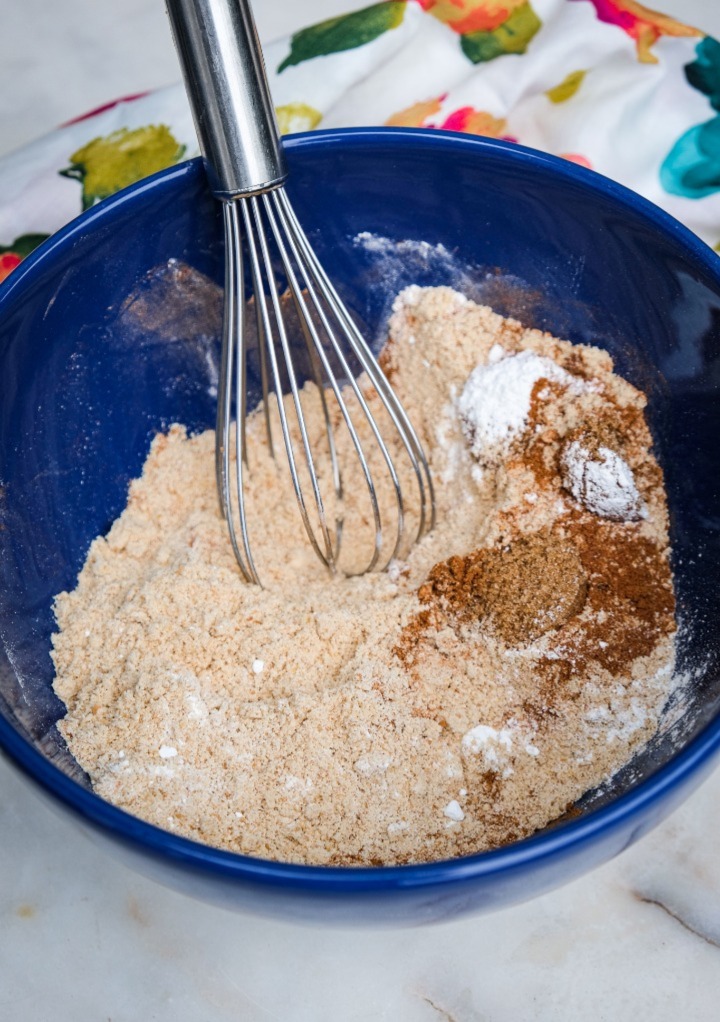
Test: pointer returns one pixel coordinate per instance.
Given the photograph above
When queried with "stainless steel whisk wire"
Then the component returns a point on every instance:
(228, 92)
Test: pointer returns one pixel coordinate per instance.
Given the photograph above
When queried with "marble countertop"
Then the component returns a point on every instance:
(82, 939)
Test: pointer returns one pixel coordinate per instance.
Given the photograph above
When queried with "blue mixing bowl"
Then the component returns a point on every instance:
(89, 372)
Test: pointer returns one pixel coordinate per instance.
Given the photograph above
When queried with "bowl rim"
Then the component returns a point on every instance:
(560, 840)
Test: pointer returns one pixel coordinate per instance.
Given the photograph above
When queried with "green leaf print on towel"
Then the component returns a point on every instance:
(513, 36)
(346, 32)
(24, 245)
(692, 167)
(105, 165)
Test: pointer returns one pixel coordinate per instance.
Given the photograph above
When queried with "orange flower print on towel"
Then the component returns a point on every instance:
(465, 118)
(487, 28)
(471, 15)
(415, 116)
(582, 161)
(475, 122)
(8, 262)
(641, 24)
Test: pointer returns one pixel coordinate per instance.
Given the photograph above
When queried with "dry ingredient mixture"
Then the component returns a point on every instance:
(513, 660)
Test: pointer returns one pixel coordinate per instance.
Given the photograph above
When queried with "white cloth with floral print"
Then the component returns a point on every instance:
(602, 82)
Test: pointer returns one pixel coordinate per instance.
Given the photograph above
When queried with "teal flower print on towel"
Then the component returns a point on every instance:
(704, 73)
(692, 167)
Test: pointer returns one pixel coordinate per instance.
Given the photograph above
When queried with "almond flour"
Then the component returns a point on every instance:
(514, 659)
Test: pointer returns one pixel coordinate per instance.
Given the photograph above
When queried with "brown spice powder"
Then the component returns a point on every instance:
(542, 582)
(524, 589)
(630, 594)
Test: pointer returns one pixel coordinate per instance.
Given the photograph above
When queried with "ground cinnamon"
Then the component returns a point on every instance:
(630, 595)
(543, 582)
(522, 589)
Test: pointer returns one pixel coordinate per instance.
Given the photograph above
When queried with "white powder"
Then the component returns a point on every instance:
(257, 666)
(293, 783)
(406, 247)
(494, 745)
(601, 482)
(167, 752)
(626, 721)
(374, 763)
(453, 811)
(197, 710)
(495, 402)
(451, 441)
(395, 570)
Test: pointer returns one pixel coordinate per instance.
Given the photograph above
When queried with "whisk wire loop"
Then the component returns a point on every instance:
(318, 348)
(369, 364)
(262, 349)
(266, 228)
(257, 250)
(233, 363)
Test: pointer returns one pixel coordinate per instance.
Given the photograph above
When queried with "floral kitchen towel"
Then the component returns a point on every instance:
(608, 84)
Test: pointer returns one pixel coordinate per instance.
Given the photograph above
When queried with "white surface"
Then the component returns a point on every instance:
(60, 58)
(84, 940)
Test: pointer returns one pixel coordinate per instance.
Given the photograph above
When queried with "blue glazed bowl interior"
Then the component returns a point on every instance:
(104, 341)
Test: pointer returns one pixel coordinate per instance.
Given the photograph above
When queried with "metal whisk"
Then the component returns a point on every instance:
(226, 84)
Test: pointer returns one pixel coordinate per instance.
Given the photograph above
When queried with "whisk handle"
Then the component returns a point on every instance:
(227, 87)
